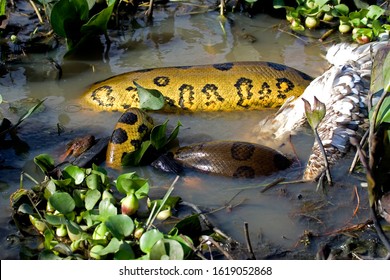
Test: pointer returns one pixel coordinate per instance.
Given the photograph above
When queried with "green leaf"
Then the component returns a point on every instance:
(74, 172)
(29, 112)
(62, 202)
(112, 247)
(125, 252)
(278, 4)
(135, 158)
(374, 12)
(148, 239)
(74, 230)
(167, 249)
(120, 226)
(26, 209)
(131, 183)
(91, 198)
(67, 17)
(45, 162)
(106, 209)
(98, 23)
(149, 99)
(55, 220)
(65, 183)
(93, 181)
(158, 135)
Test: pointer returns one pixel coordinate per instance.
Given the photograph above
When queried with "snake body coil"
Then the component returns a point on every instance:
(227, 158)
(218, 87)
(127, 136)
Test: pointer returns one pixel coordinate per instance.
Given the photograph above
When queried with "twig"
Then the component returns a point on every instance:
(191, 245)
(355, 159)
(358, 202)
(205, 220)
(248, 241)
(206, 239)
(272, 184)
(36, 11)
(326, 34)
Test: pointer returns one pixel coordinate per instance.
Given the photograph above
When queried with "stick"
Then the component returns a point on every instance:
(248, 241)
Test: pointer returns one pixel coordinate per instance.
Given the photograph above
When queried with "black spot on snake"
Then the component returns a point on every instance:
(119, 136)
(244, 172)
(284, 85)
(305, 76)
(277, 66)
(240, 151)
(243, 87)
(281, 162)
(223, 66)
(161, 81)
(184, 90)
(128, 118)
(142, 128)
(105, 93)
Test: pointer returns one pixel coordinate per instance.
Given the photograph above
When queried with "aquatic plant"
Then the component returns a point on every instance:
(365, 23)
(81, 214)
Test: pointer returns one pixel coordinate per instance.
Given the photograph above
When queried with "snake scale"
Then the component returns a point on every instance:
(217, 87)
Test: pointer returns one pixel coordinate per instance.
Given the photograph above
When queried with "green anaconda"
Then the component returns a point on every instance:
(218, 87)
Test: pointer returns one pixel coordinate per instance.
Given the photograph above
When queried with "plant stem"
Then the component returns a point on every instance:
(319, 142)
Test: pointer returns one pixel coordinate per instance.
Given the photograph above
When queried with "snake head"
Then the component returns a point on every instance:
(167, 163)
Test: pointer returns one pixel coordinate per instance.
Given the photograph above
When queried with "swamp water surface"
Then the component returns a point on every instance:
(277, 218)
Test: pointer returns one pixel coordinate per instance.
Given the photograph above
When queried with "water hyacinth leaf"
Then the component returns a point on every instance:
(185, 242)
(26, 209)
(62, 202)
(106, 209)
(374, 12)
(149, 99)
(74, 172)
(91, 198)
(79, 197)
(112, 247)
(131, 183)
(148, 239)
(48, 255)
(190, 226)
(63, 249)
(55, 220)
(74, 230)
(50, 188)
(120, 226)
(63, 184)
(125, 252)
(167, 249)
(45, 162)
(93, 181)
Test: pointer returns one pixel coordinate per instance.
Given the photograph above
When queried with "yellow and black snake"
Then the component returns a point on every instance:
(218, 87)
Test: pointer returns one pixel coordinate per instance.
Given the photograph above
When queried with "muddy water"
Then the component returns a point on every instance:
(177, 38)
